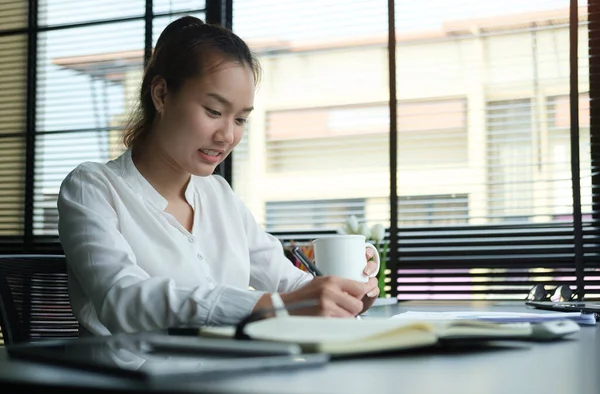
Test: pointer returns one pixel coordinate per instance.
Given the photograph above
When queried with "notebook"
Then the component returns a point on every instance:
(344, 337)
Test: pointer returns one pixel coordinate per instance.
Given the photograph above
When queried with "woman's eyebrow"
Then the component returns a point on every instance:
(226, 102)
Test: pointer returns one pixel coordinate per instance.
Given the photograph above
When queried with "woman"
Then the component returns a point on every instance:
(152, 238)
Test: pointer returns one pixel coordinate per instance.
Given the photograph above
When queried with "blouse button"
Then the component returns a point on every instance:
(200, 256)
(192, 239)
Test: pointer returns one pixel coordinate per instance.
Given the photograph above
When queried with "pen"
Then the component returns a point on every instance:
(306, 261)
(309, 265)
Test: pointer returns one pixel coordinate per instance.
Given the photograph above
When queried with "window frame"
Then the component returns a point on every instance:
(579, 240)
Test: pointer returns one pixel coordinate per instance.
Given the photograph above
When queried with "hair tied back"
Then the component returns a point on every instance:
(178, 26)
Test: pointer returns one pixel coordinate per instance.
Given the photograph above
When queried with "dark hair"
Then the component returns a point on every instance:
(184, 50)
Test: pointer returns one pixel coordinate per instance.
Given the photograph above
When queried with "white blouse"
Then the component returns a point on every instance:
(134, 267)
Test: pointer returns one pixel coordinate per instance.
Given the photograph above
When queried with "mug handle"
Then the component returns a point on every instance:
(375, 258)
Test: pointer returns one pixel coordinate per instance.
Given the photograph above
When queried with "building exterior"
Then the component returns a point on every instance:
(483, 125)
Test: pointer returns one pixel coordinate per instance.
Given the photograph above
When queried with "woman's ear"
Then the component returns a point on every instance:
(158, 91)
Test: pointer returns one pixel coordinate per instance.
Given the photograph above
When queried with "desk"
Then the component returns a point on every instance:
(570, 366)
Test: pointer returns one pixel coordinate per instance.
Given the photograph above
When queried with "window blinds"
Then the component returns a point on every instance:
(13, 113)
(315, 147)
(511, 66)
(484, 177)
(70, 71)
(84, 63)
(484, 137)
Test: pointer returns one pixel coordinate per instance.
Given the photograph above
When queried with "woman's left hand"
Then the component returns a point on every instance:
(373, 284)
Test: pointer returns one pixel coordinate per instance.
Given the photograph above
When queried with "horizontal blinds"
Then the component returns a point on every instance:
(85, 92)
(315, 149)
(13, 15)
(88, 67)
(177, 6)
(13, 116)
(66, 12)
(485, 198)
(588, 71)
(484, 163)
(82, 94)
(160, 22)
(312, 214)
(488, 261)
(507, 146)
(503, 216)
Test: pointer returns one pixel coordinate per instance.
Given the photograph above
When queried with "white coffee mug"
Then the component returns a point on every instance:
(344, 256)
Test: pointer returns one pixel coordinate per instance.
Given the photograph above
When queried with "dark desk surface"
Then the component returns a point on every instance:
(570, 366)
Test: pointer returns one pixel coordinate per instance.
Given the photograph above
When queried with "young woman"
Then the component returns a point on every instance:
(152, 238)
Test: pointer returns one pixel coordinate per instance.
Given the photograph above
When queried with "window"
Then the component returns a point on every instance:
(430, 133)
(84, 79)
(511, 163)
(320, 128)
(81, 97)
(511, 64)
(292, 137)
(483, 171)
(13, 115)
(560, 154)
(87, 80)
(433, 210)
(472, 171)
(311, 215)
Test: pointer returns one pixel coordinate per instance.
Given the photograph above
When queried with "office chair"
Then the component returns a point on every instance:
(34, 299)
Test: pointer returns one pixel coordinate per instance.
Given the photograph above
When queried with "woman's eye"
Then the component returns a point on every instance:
(241, 121)
(212, 112)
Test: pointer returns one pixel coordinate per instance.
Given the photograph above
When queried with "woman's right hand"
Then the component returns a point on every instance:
(334, 296)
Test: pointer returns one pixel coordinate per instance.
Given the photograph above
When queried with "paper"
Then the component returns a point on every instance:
(498, 317)
(385, 301)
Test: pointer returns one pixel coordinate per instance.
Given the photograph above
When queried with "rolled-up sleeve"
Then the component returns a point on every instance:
(125, 298)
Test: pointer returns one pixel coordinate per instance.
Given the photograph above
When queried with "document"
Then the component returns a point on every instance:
(498, 317)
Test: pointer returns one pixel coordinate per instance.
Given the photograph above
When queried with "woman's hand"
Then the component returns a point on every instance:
(373, 284)
(338, 297)
(334, 296)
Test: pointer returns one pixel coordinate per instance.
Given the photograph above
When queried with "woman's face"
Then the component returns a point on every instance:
(199, 125)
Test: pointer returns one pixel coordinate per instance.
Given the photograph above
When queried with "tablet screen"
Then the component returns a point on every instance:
(138, 356)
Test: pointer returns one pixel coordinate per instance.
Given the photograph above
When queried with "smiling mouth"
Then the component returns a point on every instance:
(212, 157)
(209, 152)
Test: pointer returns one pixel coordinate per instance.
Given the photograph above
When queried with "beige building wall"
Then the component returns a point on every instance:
(479, 67)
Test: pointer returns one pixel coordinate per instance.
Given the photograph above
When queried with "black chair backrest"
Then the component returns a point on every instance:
(34, 299)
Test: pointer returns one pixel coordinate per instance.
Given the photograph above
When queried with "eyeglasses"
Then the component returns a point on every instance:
(561, 293)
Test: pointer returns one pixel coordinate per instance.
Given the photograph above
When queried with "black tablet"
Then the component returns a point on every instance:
(154, 356)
